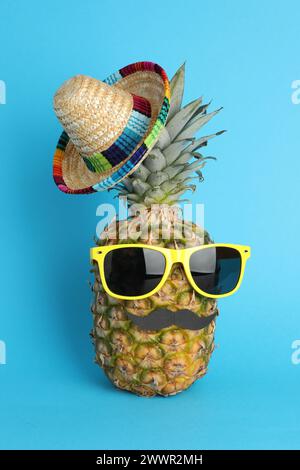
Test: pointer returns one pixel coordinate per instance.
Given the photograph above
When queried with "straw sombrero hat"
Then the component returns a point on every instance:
(109, 126)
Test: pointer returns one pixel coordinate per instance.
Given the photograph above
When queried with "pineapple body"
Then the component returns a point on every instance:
(149, 363)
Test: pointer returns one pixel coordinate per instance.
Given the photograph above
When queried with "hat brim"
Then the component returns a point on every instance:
(71, 174)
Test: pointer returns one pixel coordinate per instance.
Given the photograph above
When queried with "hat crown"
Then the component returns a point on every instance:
(85, 160)
(93, 113)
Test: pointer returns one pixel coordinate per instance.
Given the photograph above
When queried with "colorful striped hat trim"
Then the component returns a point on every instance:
(126, 147)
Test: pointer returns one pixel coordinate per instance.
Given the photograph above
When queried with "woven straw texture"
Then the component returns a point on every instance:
(109, 126)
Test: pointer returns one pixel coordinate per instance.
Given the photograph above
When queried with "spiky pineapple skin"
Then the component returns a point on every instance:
(150, 363)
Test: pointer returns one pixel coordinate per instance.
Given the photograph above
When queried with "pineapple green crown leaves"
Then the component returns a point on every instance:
(174, 163)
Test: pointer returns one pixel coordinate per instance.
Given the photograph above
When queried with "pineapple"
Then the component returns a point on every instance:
(168, 361)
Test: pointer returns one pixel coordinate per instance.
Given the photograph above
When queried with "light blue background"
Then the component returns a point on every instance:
(245, 56)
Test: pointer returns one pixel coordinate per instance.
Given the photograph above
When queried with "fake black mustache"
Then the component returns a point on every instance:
(163, 318)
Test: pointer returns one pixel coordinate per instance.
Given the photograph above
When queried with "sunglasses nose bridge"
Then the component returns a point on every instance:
(178, 256)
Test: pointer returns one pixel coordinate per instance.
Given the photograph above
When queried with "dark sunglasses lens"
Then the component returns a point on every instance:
(133, 271)
(216, 270)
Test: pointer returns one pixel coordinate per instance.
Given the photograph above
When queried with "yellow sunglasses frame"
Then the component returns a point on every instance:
(172, 256)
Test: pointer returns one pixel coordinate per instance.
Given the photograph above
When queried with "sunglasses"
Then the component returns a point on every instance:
(137, 271)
